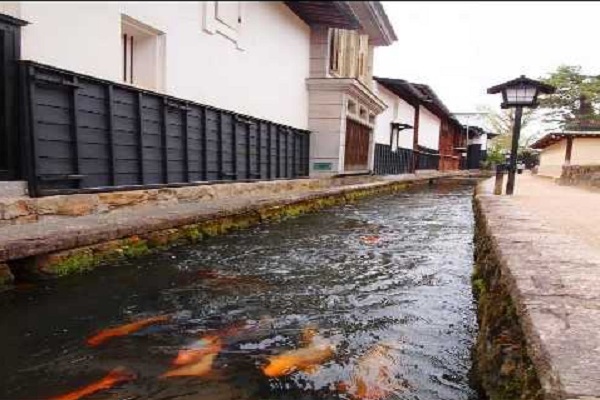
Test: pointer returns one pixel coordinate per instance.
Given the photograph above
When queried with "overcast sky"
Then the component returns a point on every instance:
(462, 48)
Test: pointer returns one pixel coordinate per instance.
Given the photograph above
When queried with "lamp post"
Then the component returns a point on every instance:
(518, 93)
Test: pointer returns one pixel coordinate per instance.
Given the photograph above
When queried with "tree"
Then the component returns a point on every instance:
(502, 124)
(529, 157)
(576, 102)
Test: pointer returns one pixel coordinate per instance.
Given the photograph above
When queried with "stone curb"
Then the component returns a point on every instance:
(554, 282)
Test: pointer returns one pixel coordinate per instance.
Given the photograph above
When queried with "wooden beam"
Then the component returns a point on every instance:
(569, 150)
(415, 139)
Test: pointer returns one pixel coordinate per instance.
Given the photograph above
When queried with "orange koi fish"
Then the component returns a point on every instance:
(305, 359)
(194, 353)
(370, 239)
(124, 330)
(113, 378)
(199, 368)
(372, 378)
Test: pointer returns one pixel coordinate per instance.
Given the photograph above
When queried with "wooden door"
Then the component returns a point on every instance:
(357, 146)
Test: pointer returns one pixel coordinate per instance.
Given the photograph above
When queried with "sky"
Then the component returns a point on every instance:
(462, 48)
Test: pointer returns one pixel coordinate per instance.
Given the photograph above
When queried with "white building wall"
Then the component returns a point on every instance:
(262, 75)
(397, 110)
(552, 159)
(429, 129)
(585, 151)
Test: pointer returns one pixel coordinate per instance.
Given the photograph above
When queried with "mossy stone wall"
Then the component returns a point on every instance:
(502, 369)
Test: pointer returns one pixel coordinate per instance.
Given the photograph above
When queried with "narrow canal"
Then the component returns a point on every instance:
(375, 297)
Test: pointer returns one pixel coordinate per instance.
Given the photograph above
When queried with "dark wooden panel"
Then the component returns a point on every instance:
(388, 162)
(116, 135)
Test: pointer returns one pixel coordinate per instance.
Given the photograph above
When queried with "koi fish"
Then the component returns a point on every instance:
(124, 330)
(305, 359)
(113, 378)
(210, 343)
(370, 239)
(372, 378)
(199, 349)
(199, 368)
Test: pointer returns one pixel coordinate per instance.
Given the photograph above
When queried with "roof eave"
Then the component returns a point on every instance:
(401, 88)
(554, 137)
(374, 22)
(522, 80)
(334, 14)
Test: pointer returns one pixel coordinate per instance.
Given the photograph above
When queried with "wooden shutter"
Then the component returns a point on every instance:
(363, 58)
(349, 54)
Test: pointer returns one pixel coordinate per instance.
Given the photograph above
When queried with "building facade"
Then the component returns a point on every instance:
(559, 149)
(242, 83)
(431, 142)
(479, 133)
(342, 103)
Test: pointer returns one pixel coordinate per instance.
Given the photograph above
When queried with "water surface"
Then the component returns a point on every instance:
(392, 271)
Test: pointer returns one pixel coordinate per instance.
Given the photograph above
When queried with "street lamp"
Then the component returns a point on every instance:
(518, 93)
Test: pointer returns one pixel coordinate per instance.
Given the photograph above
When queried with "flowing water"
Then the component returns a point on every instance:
(384, 282)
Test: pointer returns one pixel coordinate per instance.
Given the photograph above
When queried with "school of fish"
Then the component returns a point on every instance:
(371, 378)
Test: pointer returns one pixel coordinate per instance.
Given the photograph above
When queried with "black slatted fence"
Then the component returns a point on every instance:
(428, 158)
(85, 134)
(388, 162)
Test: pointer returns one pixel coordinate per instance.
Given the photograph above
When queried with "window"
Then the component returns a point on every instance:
(348, 54)
(142, 54)
(351, 107)
(224, 18)
(362, 113)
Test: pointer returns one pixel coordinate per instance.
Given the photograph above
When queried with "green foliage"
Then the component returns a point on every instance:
(75, 264)
(495, 155)
(576, 102)
(502, 123)
(529, 157)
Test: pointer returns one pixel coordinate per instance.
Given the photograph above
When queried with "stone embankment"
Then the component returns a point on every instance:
(581, 175)
(538, 288)
(134, 223)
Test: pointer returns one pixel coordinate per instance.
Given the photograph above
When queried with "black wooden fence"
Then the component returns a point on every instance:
(428, 158)
(388, 162)
(86, 134)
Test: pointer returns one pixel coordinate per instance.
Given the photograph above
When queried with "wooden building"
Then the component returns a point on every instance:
(432, 141)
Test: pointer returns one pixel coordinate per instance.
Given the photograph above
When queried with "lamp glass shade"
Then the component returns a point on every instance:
(520, 95)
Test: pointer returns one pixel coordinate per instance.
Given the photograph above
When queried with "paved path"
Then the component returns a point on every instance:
(573, 210)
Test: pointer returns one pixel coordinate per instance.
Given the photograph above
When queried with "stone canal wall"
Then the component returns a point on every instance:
(581, 175)
(21, 210)
(538, 292)
(64, 246)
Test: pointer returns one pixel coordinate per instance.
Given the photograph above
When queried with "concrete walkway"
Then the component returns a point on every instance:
(548, 240)
(573, 210)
